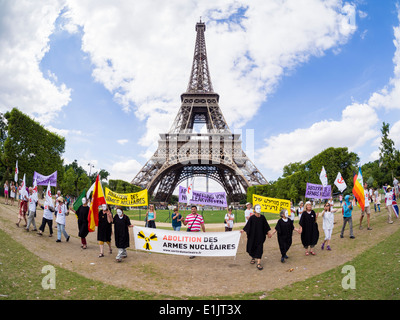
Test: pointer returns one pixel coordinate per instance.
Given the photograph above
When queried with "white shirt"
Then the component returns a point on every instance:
(247, 214)
(47, 214)
(366, 195)
(61, 211)
(389, 198)
(32, 203)
(229, 223)
(327, 220)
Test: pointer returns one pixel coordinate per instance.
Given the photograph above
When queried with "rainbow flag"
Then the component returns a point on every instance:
(97, 200)
(358, 189)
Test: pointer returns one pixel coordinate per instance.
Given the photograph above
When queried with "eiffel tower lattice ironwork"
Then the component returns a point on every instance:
(182, 153)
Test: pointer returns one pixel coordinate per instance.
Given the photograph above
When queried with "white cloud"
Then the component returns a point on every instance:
(142, 51)
(356, 127)
(25, 28)
(125, 170)
(122, 141)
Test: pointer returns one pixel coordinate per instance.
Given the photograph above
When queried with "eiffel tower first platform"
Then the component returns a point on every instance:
(183, 154)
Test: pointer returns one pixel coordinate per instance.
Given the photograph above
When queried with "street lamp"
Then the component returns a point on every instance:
(90, 168)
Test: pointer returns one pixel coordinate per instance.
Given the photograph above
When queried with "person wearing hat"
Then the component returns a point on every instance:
(248, 212)
(389, 203)
(62, 212)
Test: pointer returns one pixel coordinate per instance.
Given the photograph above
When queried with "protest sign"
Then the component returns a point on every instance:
(271, 205)
(216, 199)
(136, 199)
(317, 191)
(206, 244)
(42, 180)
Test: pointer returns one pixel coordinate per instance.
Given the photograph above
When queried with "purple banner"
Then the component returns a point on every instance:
(44, 180)
(216, 199)
(317, 191)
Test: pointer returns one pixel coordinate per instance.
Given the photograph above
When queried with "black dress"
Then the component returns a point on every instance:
(256, 229)
(310, 233)
(121, 231)
(83, 224)
(285, 233)
(104, 228)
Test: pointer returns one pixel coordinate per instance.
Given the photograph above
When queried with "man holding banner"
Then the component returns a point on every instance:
(195, 222)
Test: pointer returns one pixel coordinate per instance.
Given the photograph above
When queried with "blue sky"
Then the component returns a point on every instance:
(304, 75)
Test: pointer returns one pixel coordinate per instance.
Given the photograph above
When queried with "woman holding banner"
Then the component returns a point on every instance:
(256, 228)
(151, 217)
(309, 229)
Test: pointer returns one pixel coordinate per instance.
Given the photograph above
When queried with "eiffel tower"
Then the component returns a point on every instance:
(183, 153)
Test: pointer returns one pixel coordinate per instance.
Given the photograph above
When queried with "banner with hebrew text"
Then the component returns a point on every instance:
(271, 205)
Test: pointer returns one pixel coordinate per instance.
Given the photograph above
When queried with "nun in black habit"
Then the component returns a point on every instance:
(256, 228)
(284, 228)
(309, 229)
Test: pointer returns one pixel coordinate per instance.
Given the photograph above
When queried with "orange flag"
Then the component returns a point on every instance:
(97, 200)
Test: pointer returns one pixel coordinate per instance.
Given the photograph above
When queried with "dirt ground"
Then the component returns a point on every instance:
(180, 276)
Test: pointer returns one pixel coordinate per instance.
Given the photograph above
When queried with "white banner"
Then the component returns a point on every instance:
(204, 244)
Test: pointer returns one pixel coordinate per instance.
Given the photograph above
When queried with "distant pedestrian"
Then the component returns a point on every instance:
(309, 229)
(104, 229)
(347, 210)
(122, 223)
(12, 192)
(62, 212)
(23, 207)
(229, 217)
(257, 228)
(151, 216)
(328, 220)
(6, 196)
(377, 200)
(248, 212)
(32, 203)
(48, 210)
(300, 209)
(176, 220)
(284, 228)
(389, 203)
(367, 208)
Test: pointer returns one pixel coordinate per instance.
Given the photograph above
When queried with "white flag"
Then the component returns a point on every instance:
(34, 192)
(48, 197)
(16, 172)
(340, 183)
(23, 191)
(323, 177)
(190, 191)
(89, 192)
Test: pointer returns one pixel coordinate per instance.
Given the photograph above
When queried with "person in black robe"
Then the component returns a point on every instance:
(104, 229)
(309, 229)
(122, 223)
(284, 228)
(256, 228)
(83, 224)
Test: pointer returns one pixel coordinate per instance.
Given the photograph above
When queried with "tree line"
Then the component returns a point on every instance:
(292, 184)
(38, 149)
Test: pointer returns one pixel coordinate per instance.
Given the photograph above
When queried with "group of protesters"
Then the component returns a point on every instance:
(256, 225)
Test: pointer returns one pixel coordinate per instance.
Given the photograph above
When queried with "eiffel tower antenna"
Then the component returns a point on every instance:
(183, 154)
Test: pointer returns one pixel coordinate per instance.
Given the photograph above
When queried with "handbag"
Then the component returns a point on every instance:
(190, 228)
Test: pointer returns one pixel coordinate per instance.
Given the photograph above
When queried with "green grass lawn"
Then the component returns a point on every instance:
(376, 278)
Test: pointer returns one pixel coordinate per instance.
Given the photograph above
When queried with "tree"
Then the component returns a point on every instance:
(35, 148)
(68, 185)
(389, 156)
